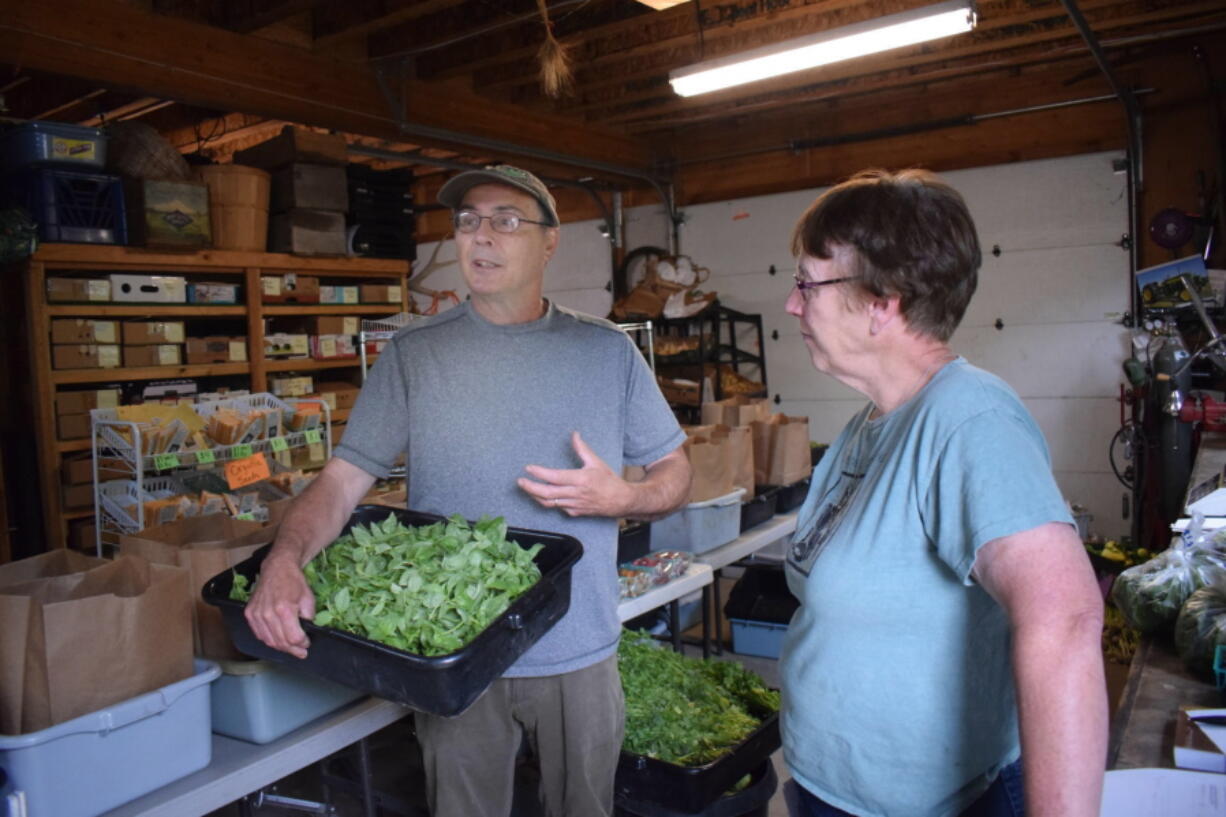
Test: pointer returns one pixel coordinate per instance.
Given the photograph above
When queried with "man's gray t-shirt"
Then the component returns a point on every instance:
(471, 403)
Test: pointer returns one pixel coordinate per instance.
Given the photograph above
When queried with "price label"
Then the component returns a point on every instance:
(205, 456)
(246, 517)
(240, 473)
(164, 462)
(278, 444)
(312, 436)
(240, 451)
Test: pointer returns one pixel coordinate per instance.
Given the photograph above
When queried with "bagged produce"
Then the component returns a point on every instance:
(1201, 626)
(1150, 594)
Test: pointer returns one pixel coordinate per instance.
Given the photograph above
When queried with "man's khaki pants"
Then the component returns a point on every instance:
(574, 725)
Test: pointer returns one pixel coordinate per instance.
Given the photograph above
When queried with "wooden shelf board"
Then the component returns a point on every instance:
(146, 310)
(66, 446)
(63, 376)
(77, 513)
(332, 309)
(100, 256)
(308, 364)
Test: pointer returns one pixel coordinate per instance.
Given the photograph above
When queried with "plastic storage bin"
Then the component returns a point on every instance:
(759, 509)
(442, 685)
(633, 541)
(93, 763)
(52, 143)
(790, 496)
(751, 801)
(643, 781)
(259, 702)
(73, 207)
(700, 526)
(759, 609)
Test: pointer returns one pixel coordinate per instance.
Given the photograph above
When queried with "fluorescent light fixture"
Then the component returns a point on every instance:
(869, 37)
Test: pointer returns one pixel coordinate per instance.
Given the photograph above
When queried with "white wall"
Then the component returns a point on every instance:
(1059, 287)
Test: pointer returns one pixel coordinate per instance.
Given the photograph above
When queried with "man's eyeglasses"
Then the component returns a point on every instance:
(804, 285)
(466, 221)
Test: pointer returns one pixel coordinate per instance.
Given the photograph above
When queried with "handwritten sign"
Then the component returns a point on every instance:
(246, 471)
(205, 456)
(312, 436)
(164, 462)
(240, 451)
(278, 444)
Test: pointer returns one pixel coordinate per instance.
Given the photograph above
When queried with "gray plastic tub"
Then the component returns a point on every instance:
(90, 764)
(700, 526)
(259, 701)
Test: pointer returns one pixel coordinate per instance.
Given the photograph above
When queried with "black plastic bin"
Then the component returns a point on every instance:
(441, 685)
(759, 509)
(751, 801)
(633, 541)
(761, 594)
(644, 782)
(789, 497)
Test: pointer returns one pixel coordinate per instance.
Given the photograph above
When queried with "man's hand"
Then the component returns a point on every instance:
(591, 490)
(281, 597)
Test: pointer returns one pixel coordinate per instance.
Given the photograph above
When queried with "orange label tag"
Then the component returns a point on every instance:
(243, 472)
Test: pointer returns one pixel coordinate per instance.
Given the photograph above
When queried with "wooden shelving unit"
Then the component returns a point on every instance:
(244, 268)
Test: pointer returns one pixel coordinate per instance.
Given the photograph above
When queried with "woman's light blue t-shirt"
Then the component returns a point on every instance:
(897, 678)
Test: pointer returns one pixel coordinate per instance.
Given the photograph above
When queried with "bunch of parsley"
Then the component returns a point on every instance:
(686, 710)
(427, 589)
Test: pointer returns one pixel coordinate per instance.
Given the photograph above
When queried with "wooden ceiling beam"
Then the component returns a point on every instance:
(121, 46)
(400, 12)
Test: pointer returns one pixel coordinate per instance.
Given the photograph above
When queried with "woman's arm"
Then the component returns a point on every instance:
(1042, 578)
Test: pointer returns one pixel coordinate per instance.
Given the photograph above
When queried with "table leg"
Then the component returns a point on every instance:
(368, 790)
(674, 623)
(719, 627)
(706, 621)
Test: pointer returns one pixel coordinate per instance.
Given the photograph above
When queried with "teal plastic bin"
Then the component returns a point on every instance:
(91, 764)
(258, 701)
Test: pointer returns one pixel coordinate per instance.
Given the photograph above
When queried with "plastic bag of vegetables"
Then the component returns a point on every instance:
(1151, 594)
(1201, 626)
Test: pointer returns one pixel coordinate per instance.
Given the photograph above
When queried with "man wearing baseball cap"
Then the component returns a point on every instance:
(507, 405)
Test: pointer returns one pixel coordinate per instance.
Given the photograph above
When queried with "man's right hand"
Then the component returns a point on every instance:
(281, 598)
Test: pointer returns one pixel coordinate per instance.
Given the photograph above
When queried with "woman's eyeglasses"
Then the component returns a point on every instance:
(804, 285)
(466, 221)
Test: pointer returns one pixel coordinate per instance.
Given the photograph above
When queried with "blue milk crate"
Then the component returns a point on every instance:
(52, 143)
(73, 207)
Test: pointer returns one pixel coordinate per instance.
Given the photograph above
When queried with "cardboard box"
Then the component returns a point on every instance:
(217, 349)
(211, 293)
(331, 347)
(334, 325)
(295, 145)
(289, 289)
(345, 394)
(284, 344)
(79, 496)
(85, 356)
(168, 214)
(84, 330)
(138, 333)
(303, 186)
(162, 354)
(76, 290)
(83, 534)
(80, 402)
(78, 470)
(291, 385)
(161, 289)
(308, 232)
(334, 294)
(380, 293)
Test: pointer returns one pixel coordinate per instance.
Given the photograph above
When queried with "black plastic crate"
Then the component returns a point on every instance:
(751, 801)
(441, 685)
(382, 244)
(633, 541)
(70, 206)
(789, 497)
(644, 781)
(759, 509)
(761, 594)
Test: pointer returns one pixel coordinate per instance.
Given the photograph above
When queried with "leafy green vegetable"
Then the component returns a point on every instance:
(1201, 626)
(685, 710)
(428, 590)
(1150, 594)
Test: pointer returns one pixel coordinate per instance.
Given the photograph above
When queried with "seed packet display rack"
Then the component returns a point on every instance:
(125, 477)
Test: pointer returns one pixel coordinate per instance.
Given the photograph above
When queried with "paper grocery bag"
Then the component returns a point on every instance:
(204, 546)
(761, 432)
(740, 452)
(99, 637)
(789, 451)
(712, 464)
(736, 411)
(15, 624)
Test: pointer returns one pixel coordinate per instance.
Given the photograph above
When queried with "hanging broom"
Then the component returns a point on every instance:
(556, 76)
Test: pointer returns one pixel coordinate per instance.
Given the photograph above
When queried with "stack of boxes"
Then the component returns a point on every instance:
(309, 193)
(381, 212)
(153, 343)
(85, 343)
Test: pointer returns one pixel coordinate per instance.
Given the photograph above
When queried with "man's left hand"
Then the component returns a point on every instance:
(591, 490)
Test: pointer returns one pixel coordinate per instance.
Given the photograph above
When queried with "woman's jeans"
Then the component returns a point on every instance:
(1004, 798)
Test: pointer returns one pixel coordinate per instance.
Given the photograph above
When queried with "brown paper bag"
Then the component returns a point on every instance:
(15, 624)
(761, 432)
(712, 464)
(99, 637)
(205, 546)
(789, 451)
(740, 452)
(736, 411)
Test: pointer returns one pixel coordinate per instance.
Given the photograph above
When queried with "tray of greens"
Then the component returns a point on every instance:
(693, 727)
(417, 608)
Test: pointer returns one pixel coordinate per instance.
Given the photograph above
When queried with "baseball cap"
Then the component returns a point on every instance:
(452, 193)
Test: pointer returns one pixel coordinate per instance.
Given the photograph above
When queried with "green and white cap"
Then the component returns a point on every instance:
(452, 193)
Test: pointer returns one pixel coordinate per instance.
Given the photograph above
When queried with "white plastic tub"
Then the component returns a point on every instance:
(700, 526)
(90, 764)
(258, 701)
